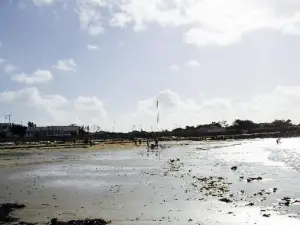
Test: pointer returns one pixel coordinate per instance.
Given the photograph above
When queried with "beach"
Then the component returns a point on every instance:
(209, 182)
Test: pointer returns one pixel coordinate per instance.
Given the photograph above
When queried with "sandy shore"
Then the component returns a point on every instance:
(208, 183)
(60, 147)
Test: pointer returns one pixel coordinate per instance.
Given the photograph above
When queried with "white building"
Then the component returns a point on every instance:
(52, 131)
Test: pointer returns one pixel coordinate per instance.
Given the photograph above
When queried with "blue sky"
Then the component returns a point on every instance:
(99, 61)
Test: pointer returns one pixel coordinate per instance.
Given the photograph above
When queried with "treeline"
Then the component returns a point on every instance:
(238, 127)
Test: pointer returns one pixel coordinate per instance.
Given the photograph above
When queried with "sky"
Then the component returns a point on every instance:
(107, 62)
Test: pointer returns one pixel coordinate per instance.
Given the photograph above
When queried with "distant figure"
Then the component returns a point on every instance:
(140, 141)
(156, 143)
(278, 141)
(148, 144)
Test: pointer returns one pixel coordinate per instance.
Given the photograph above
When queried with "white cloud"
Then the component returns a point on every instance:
(89, 104)
(90, 15)
(206, 22)
(56, 108)
(192, 63)
(10, 68)
(65, 65)
(39, 76)
(93, 47)
(43, 2)
(174, 67)
(281, 103)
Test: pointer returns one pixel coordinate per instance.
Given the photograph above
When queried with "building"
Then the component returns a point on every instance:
(53, 131)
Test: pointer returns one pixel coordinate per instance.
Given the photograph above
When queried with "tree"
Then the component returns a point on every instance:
(18, 130)
(288, 122)
(244, 124)
(2, 135)
(81, 130)
(282, 123)
(31, 124)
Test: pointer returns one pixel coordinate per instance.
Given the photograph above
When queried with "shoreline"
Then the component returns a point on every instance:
(66, 147)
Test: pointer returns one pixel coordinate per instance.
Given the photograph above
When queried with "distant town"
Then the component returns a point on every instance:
(215, 130)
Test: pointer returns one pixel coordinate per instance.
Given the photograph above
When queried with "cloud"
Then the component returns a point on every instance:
(89, 104)
(174, 67)
(2, 60)
(56, 109)
(65, 65)
(43, 2)
(93, 47)
(281, 103)
(90, 15)
(10, 68)
(228, 23)
(38, 77)
(192, 63)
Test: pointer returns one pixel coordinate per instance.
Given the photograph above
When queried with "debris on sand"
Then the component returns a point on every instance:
(286, 201)
(6, 209)
(250, 204)
(266, 215)
(234, 168)
(226, 200)
(212, 186)
(173, 165)
(253, 178)
(173, 160)
(55, 221)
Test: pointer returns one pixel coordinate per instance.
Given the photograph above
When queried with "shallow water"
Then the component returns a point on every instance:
(131, 187)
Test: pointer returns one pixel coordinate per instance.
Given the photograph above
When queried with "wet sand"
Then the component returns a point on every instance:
(185, 184)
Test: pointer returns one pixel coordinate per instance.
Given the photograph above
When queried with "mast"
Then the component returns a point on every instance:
(157, 116)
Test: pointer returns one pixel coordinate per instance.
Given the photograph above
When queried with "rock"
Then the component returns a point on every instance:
(250, 204)
(266, 215)
(6, 209)
(226, 200)
(54, 221)
(253, 178)
(234, 168)
(190, 220)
